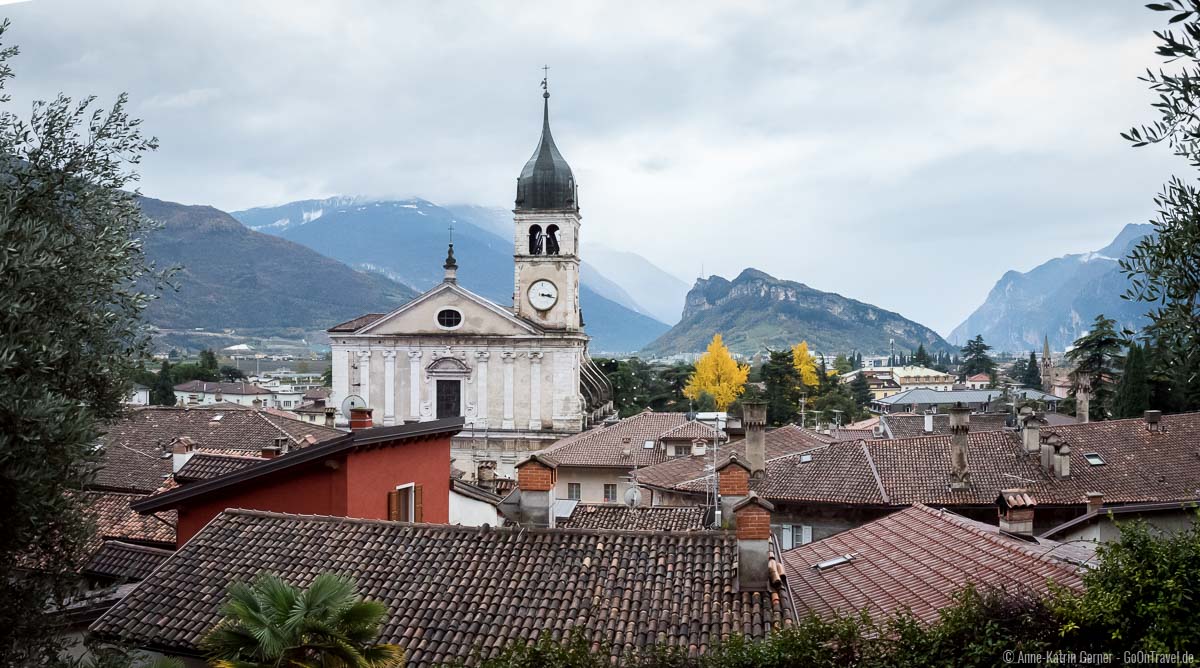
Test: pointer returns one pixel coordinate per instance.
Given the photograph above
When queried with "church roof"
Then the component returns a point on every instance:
(546, 182)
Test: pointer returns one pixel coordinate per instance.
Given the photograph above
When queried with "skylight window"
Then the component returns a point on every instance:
(804, 459)
(1094, 459)
(830, 563)
(648, 445)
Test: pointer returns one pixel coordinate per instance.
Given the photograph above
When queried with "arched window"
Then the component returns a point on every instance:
(552, 240)
(535, 240)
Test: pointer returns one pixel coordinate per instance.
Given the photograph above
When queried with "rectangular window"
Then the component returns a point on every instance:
(406, 504)
(610, 493)
(573, 491)
(794, 535)
(683, 450)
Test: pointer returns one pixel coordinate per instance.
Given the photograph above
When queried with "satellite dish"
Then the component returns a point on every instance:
(352, 401)
(633, 496)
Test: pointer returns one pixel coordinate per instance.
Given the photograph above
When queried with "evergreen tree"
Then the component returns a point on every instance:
(861, 391)
(975, 358)
(842, 364)
(1033, 374)
(782, 387)
(71, 341)
(162, 393)
(1132, 396)
(1094, 357)
(922, 358)
(208, 361)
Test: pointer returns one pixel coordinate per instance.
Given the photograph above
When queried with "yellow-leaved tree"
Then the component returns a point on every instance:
(805, 364)
(718, 375)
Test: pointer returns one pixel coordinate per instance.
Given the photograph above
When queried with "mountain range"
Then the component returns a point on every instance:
(1058, 299)
(757, 311)
(233, 277)
(405, 240)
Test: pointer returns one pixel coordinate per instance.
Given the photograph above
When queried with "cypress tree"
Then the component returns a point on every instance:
(1033, 374)
(1132, 397)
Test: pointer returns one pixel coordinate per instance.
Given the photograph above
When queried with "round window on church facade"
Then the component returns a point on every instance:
(449, 318)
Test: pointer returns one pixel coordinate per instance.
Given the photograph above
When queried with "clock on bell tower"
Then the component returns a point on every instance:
(546, 221)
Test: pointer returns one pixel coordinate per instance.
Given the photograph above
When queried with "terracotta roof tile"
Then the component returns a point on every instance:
(449, 589)
(136, 449)
(778, 442)
(115, 520)
(124, 561)
(608, 445)
(914, 559)
(911, 425)
(205, 465)
(238, 389)
(357, 323)
(646, 518)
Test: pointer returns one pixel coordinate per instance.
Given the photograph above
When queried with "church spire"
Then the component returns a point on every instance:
(546, 182)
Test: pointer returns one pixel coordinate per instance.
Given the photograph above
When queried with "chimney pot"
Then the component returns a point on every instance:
(360, 418)
(1095, 501)
(330, 416)
(181, 451)
(1153, 420)
(1016, 509)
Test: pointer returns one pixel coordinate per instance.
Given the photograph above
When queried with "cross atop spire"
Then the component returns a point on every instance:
(545, 81)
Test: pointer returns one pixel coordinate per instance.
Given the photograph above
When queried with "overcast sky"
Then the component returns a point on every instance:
(901, 153)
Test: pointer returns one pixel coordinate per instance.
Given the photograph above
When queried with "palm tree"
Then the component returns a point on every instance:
(270, 623)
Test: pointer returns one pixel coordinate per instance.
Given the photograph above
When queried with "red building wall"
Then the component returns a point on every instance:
(356, 487)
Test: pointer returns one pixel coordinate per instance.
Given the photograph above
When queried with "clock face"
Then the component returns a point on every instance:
(543, 294)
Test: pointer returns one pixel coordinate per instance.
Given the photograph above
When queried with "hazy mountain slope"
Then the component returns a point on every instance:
(406, 240)
(756, 311)
(233, 277)
(1057, 299)
(659, 293)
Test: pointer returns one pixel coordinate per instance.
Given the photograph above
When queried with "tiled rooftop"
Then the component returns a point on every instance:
(235, 389)
(134, 447)
(778, 442)
(205, 465)
(647, 518)
(608, 445)
(914, 559)
(1139, 466)
(450, 590)
(912, 425)
(115, 520)
(125, 562)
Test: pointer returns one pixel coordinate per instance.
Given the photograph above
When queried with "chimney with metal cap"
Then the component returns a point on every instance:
(330, 416)
(1153, 420)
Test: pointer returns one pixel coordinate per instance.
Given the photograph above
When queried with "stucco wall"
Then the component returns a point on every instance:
(471, 512)
(591, 483)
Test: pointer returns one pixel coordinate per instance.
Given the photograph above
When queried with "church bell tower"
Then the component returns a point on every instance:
(546, 221)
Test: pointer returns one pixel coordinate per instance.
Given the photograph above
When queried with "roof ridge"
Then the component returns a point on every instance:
(249, 512)
(137, 547)
(993, 538)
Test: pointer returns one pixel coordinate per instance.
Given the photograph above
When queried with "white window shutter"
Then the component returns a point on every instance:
(805, 534)
(787, 537)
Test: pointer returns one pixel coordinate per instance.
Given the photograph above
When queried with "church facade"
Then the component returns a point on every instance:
(520, 375)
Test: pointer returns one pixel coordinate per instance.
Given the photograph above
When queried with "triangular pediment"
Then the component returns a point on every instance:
(479, 317)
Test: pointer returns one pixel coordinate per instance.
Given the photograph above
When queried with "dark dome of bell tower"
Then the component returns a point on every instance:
(546, 182)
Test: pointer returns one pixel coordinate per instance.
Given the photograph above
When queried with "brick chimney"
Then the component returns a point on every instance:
(1015, 507)
(753, 517)
(754, 420)
(960, 427)
(330, 416)
(182, 450)
(535, 488)
(733, 485)
(1095, 502)
(360, 418)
